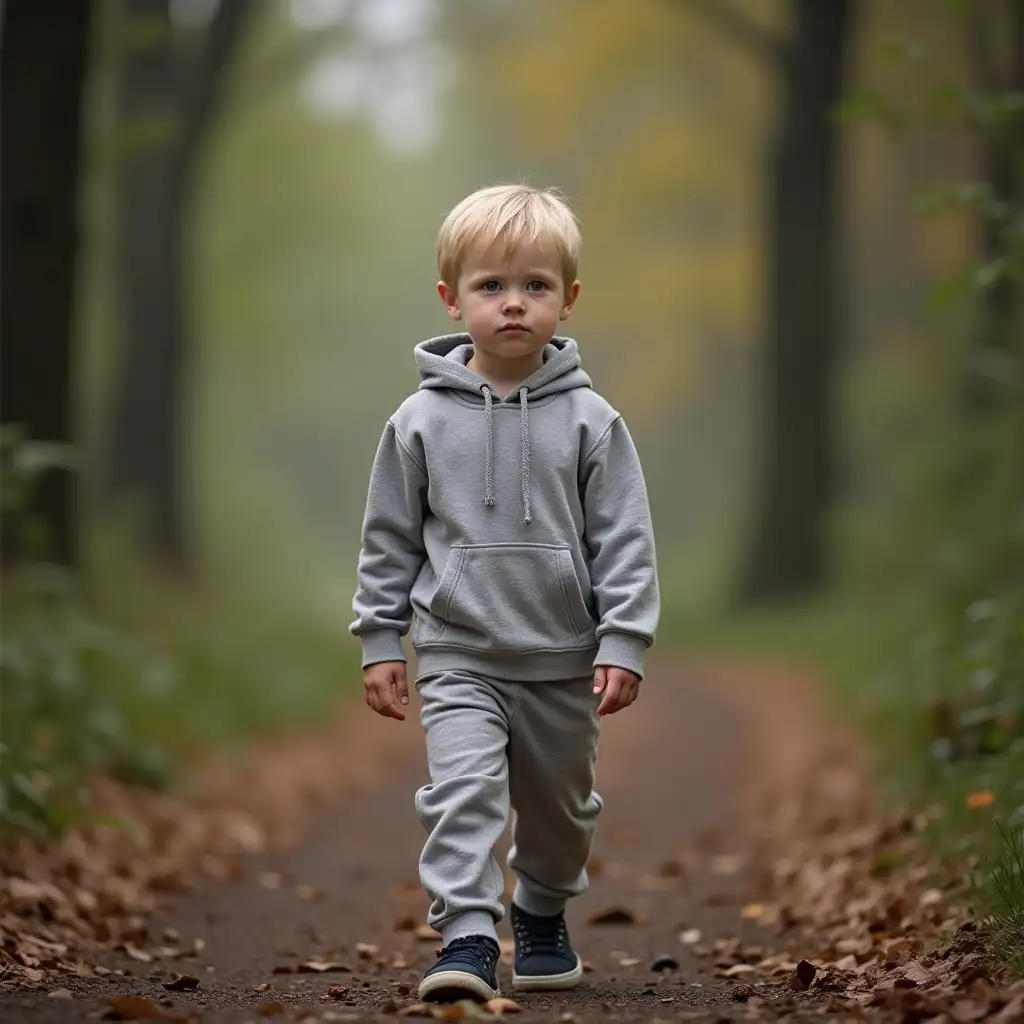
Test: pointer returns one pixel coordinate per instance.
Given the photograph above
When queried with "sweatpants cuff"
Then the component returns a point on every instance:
(470, 922)
(536, 903)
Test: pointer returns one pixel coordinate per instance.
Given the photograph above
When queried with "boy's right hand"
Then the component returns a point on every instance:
(386, 688)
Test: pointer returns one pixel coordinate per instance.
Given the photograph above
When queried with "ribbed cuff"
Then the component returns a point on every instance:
(382, 645)
(469, 922)
(623, 650)
(537, 903)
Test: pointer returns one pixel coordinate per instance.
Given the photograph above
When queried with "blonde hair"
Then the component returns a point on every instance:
(517, 214)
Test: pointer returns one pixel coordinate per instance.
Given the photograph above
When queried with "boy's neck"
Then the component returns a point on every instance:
(504, 375)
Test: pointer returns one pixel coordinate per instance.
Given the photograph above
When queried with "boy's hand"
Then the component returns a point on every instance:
(386, 688)
(619, 686)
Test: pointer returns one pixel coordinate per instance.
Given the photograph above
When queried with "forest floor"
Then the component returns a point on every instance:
(743, 869)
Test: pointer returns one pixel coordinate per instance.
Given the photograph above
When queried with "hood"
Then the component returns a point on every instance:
(442, 364)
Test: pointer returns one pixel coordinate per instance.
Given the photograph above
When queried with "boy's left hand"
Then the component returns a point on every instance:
(619, 686)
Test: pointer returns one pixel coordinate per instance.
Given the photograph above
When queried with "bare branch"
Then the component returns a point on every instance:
(740, 30)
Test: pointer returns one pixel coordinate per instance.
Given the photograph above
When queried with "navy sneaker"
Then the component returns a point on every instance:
(545, 959)
(465, 969)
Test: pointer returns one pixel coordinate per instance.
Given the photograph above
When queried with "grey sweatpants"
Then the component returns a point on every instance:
(493, 744)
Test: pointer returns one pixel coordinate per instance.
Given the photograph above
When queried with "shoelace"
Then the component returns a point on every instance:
(545, 937)
(478, 952)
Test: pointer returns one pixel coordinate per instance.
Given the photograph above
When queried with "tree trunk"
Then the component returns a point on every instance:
(788, 554)
(1003, 168)
(165, 112)
(42, 69)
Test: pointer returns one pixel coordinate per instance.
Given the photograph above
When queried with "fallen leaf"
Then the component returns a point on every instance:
(427, 934)
(337, 992)
(60, 993)
(366, 950)
(406, 923)
(737, 969)
(270, 880)
(307, 893)
(261, 987)
(462, 1010)
(501, 1005)
(318, 967)
(613, 915)
(690, 937)
(417, 1010)
(753, 911)
(137, 954)
(804, 974)
(981, 798)
(182, 983)
(726, 864)
(629, 961)
(134, 1008)
(272, 1009)
(741, 993)
(671, 869)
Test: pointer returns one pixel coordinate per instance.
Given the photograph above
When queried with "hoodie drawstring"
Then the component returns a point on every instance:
(524, 440)
(488, 448)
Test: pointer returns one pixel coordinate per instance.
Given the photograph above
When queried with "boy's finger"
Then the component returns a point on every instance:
(402, 685)
(610, 702)
(600, 678)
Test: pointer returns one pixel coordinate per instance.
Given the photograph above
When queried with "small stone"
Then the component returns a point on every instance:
(665, 963)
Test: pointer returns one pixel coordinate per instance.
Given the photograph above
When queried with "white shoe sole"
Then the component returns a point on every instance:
(548, 982)
(461, 981)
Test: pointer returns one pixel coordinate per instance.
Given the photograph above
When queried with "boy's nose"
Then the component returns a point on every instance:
(513, 300)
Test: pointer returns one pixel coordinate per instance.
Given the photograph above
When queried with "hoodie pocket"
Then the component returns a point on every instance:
(511, 597)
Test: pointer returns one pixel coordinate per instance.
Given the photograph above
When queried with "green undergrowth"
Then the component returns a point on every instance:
(940, 699)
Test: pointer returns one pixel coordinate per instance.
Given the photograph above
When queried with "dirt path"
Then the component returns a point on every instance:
(666, 769)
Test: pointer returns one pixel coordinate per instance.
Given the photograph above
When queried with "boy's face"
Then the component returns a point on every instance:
(511, 302)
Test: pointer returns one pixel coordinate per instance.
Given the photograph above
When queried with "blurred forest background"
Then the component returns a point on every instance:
(803, 232)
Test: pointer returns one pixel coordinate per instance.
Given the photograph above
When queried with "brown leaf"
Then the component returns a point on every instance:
(135, 953)
(613, 915)
(671, 869)
(501, 1005)
(982, 798)
(427, 934)
(918, 974)
(261, 987)
(283, 969)
(690, 937)
(134, 1008)
(406, 923)
(307, 893)
(182, 983)
(804, 974)
(320, 967)
(60, 993)
(741, 993)
(366, 950)
(271, 1009)
(337, 992)
(416, 1010)
(462, 1010)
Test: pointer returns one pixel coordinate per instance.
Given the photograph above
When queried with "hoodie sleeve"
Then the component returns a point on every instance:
(620, 540)
(392, 551)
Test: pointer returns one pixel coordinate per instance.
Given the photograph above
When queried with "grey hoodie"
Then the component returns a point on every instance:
(516, 532)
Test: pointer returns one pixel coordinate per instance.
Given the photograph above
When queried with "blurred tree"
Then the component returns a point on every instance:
(788, 553)
(995, 45)
(43, 53)
(168, 101)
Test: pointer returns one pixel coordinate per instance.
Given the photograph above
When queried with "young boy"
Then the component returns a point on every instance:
(507, 517)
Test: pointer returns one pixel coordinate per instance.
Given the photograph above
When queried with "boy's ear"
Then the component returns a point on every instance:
(450, 300)
(570, 300)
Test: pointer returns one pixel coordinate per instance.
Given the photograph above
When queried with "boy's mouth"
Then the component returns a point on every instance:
(513, 327)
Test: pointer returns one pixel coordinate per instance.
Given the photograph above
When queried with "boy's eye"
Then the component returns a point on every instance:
(491, 286)
(536, 286)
